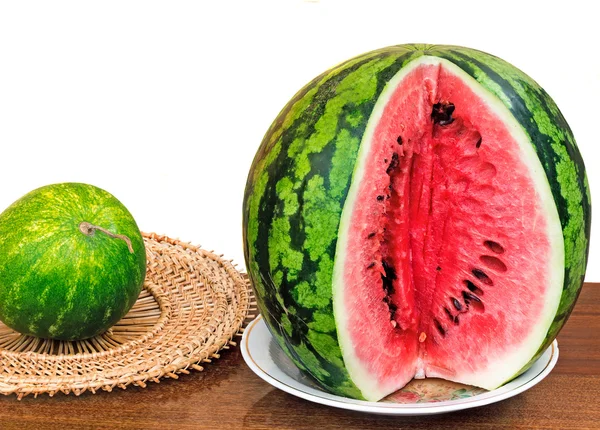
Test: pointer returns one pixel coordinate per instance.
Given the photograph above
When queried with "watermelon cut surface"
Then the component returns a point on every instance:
(417, 211)
(462, 271)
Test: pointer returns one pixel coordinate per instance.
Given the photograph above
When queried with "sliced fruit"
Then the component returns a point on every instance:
(417, 211)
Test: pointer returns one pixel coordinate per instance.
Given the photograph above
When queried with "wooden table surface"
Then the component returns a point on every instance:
(228, 395)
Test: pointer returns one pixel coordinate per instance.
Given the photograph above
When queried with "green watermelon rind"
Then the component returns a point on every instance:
(299, 181)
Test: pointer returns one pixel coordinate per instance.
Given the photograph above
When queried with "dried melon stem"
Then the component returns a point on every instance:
(89, 230)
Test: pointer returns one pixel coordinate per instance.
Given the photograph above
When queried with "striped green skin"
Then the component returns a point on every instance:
(55, 281)
(300, 177)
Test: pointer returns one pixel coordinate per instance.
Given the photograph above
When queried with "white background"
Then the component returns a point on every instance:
(164, 104)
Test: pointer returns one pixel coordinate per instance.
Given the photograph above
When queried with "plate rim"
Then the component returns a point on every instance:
(322, 397)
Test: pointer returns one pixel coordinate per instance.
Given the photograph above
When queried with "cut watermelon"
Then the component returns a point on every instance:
(418, 211)
(468, 244)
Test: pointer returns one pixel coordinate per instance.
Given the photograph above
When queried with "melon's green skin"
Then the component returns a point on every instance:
(55, 281)
(300, 177)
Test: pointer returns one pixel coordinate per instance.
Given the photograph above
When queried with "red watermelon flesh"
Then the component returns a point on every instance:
(449, 284)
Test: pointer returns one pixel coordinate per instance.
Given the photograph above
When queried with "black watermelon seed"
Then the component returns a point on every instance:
(370, 235)
(473, 302)
(456, 304)
(494, 246)
(370, 266)
(473, 288)
(439, 327)
(481, 275)
(456, 320)
(468, 297)
(380, 198)
(449, 314)
(399, 140)
(393, 164)
(438, 268)
(478, 144)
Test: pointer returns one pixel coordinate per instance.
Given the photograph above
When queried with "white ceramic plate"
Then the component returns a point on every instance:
(419, 397)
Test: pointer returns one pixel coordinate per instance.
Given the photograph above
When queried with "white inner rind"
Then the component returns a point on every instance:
(506, 365)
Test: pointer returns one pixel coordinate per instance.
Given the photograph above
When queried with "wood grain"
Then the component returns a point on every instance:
(228, 395)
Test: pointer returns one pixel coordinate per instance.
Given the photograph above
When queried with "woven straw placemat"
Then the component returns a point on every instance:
(192, 305)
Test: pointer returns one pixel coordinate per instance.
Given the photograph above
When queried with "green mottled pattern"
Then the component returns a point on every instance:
(55, 281)
(300, 177)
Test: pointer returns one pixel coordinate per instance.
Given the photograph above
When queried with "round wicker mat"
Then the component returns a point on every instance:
(192, 305)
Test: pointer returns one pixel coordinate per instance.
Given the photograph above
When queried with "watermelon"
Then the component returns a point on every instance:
(417, 211)
(72, 262)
